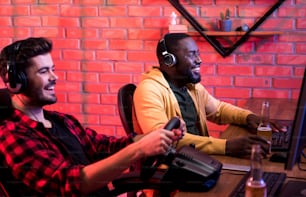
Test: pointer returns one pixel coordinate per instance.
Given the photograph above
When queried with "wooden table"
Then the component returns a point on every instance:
(283, 109)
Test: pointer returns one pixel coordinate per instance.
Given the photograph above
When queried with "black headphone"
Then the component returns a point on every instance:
(15, 75)
(169, 58)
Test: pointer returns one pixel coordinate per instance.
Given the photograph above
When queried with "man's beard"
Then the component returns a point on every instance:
(194, 78)
(37, 97)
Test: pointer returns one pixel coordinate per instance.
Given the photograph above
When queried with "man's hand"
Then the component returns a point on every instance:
(254, 120)
(159, 141)
(242, 146)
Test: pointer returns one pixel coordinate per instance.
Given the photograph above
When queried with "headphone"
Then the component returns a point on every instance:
(15, 75)
(169, 58)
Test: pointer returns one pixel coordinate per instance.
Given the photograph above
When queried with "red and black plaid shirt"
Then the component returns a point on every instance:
(40, 163)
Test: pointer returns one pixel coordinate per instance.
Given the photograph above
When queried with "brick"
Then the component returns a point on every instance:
(291, 59)
(95, 87)
(47, 32)
(65, 43)
(27, 21)
(297, 36)
(143, 11)
(141, 56)
(156, 22)
(44, 10)
(125, 44)
(81, 33)
(301, 23)
(232, 70)
(6, 32)
(5, 21)
(83, 98)
(217, 80)
(286, 83)
(155, 2)
(298, 11)
(60, 21)
(82, 76)
(14, 10)
(130, 22)
(76, 11)
(278, 24)
(144, 34)
(255, 59)
(99, 109)
(113, 11)
(300, 48)
(78, 54)
(97, 66)
(131, 67)
(274, 47)
(269, 70)
(68, 86)
(110, 120)
(122, 2)
(269, 93)
(111, 55)
(114, 78)
(95, 22)
(109, 99)
(94, 44)
(252, 82)
(67, 65)
(114, 33)
(232, 92)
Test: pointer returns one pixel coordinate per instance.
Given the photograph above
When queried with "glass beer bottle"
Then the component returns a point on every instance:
(264, 129)
(255, 185)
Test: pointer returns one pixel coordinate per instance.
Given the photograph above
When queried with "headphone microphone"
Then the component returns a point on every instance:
(169, 58)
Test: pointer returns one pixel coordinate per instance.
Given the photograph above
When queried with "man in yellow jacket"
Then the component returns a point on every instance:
(174, 89)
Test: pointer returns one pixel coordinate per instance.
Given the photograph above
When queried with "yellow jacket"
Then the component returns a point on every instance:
(155, 104)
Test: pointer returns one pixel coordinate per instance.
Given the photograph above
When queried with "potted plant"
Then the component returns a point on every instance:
(225, 22)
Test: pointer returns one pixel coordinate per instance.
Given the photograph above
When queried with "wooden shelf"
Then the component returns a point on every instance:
(236, 33)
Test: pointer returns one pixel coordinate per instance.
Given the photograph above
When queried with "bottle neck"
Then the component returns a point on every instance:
(256, 163)
(265, 114)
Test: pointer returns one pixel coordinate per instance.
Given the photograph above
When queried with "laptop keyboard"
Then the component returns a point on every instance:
(273, 180)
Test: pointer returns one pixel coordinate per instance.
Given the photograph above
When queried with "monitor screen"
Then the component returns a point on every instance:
(298, 136)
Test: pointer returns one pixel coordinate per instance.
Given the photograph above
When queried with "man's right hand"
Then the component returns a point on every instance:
(242, 146)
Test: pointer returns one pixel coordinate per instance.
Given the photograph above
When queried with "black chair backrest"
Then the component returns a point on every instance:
(5, 109)
(5, 103)
(125, 106)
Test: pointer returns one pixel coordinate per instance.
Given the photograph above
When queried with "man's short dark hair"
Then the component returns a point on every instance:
(170, 42)
(21, 51)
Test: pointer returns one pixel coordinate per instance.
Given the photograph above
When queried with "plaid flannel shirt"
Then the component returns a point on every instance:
(39, 163)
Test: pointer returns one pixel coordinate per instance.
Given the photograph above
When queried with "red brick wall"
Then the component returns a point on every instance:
(102, 44)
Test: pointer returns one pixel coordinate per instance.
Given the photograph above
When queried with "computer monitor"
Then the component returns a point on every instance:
(298, 137)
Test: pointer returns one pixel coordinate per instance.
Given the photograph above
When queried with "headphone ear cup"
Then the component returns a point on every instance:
(22, 79)
(17, 80)
(169, 59)
(12, 75)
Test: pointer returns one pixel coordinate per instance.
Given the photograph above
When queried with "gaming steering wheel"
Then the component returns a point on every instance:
(150, 164)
